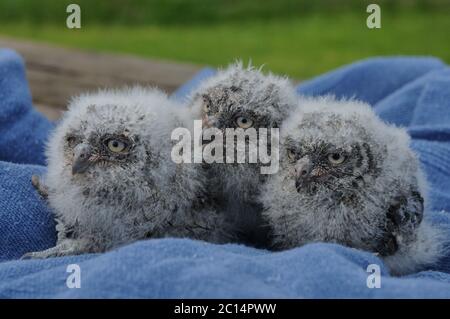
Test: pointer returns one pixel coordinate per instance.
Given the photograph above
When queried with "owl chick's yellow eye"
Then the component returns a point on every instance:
(244, 122)
(205, 107)
(116, 146)
(291, 154)
(336, 158)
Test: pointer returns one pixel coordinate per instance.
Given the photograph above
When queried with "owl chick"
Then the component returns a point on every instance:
(346, 177)
(239, 97)
(111, 180)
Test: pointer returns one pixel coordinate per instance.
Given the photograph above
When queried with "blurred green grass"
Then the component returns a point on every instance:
(302, 43)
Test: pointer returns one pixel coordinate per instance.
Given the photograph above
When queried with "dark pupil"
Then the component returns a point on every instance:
(244, 120)
(336, 156)
(115, 144)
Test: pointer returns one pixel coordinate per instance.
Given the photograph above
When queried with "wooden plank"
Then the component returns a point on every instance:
(51, 113)
(55, 74)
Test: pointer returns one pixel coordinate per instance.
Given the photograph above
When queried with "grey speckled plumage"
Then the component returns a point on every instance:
(111, 180)
(347, 177)
(241, 97)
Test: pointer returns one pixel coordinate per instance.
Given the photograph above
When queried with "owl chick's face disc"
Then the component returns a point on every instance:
(318, 166)
(98, 150)
(225, 108)
(229, 107)
(102, 142)
(316, 159)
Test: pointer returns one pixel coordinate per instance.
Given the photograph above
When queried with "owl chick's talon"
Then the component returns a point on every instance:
(40, 254)
(27, 256)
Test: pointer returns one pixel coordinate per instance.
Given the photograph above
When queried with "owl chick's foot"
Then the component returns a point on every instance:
(40, 187)
(66, 248)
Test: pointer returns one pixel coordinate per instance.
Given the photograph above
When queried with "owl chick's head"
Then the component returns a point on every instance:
(102, 138)
(239, 97)
(112, 142)
(336, 147)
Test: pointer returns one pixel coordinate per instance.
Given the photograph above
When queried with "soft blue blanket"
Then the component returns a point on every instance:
(412, 92)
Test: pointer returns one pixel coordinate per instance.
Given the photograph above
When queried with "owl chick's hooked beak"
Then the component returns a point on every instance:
(302, 170)
(81, 158)
(306, 172)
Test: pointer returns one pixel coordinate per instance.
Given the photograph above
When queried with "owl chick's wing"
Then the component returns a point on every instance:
(404, 215)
